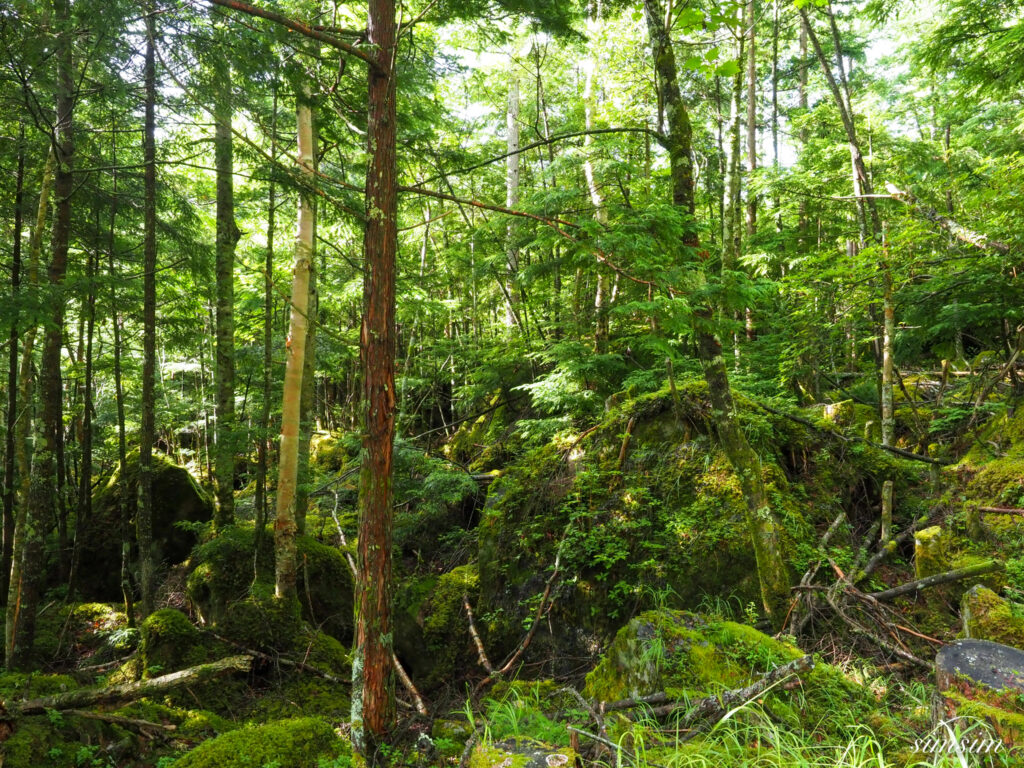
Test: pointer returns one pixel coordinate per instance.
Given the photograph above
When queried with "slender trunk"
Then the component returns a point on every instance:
(10, 478)
(888, 330)
(512, 201)
(601, 298)
(263, 438)
(373, 687)
(84, 514)
(732, 232)
(751, 117)
(44, 503)
(771, 567)
(803, 136)
(291, 401)
(147, 431)
(227, 238)
(308, 397)
(126, 507)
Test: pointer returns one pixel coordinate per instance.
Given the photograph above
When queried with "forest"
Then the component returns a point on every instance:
(512, 384)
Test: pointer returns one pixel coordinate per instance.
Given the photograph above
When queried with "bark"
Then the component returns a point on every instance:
(291, 402)
(373, 689)
(147, 431)
(227, 238)
(84, 513)
(511, 201)
(308, 397)
(25, 545)
(732, 233)
(803, 135)
(12, 376)
(888, 329)
(772, 573)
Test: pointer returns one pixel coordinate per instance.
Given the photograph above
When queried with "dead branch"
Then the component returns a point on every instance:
(710, 709)
(957, 230)
(145, 726)
(86, 697)
(940, 578)
(1001, 511)
(485, 662)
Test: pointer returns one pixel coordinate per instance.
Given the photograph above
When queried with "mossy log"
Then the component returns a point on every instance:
(87, 697)
(981, 569)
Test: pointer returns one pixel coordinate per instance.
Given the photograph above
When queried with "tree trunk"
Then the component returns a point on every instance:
(751, 117)
(23, 544)
(601, 298)
(307, 401)
(263, 438)
(373, 687)
(771, 567)
(511, 201)
(10, 478)
(291, 402)
(227, 238)
(147, 431)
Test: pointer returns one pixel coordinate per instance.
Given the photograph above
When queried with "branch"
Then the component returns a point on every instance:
(959, 231)
(86, 697)
(940, 578)
(302, 29)
(550, 140)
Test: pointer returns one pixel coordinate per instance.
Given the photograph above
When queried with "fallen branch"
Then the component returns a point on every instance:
(87, 697)
(860, 629)
(129, 722)
(485, 662)
(856, 439)
(617, 747)
(940, 578)
(301, 666)
(957, 230)
(711, 709)
(1001, 511)
(889, 547)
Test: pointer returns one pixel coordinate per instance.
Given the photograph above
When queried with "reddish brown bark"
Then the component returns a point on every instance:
(373, 678)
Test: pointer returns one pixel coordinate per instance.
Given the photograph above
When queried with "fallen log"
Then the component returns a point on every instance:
(939, 578)
(87, 697)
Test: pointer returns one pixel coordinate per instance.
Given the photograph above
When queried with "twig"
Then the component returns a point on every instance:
(608, 742)
(407, 682)
(1001, 511)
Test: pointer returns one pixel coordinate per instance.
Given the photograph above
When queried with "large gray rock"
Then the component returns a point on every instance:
(981, 662)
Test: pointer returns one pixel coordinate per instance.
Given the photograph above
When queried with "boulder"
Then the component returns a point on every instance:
(520, 753)
(987, 616)
(177, 499)
(985, 680)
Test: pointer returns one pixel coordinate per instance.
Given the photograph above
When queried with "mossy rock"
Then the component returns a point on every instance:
(177, 499)
(22, 685)
(688, 655)
(987, 616)
(297, 693)
(64, 741)
(263, 623)
(327, 453)
(81, 634)
(293, 743)
(520, 753)
(445, 632)
(170, 642)
(221, 573)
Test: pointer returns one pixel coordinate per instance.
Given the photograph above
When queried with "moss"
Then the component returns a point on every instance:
(60, 741)
(520, 753)
(1008, 725)
(297, 693)
(931, 552)
(20, 685)
(327, 453)
(263, 623)
(170, 642)
(221, 574)
(295, 743)
(987, 616)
